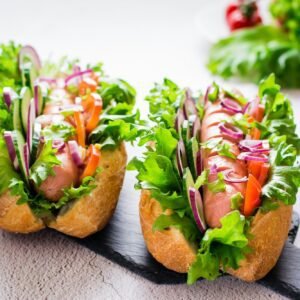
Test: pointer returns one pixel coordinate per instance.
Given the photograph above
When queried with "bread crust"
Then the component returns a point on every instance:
(17, 218)
(91, 213)
(80, 218)
(171, 249)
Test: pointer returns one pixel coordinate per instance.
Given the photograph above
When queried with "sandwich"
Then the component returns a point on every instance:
(218, 179)
(62, 133)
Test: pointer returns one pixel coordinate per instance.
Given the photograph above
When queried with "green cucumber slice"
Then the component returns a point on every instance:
(188, 181)
(37, 129)
(192, 150)
(26, 97)
(19, 144)
(17, 120)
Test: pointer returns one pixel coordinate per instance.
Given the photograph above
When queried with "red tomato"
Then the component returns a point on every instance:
(231, 8)
(237, 20)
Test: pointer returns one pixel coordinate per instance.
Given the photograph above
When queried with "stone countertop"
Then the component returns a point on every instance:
(141, 41)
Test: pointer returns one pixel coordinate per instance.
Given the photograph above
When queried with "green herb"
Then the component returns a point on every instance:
(213, 93)
(218, 185)
(43, 166)
(219, 145)
(239, 98)
(187, 227)
(59, 131)
(236, 201)
(202, 179)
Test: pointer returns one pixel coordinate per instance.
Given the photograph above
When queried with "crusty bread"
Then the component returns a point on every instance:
(80, 218)
(91, 213)
(171, 249)
(17, 218)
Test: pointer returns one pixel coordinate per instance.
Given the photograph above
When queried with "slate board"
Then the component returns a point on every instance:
(122, 242)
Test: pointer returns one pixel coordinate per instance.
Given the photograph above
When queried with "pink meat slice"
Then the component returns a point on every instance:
(66, 175)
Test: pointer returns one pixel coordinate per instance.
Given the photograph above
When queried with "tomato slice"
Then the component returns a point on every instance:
(95, 116)
(264, 172)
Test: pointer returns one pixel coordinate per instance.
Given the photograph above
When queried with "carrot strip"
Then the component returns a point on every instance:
(252, 196)
(264, 172)
(92, 163)
(254, 168)
(255, 133)
(94, 119)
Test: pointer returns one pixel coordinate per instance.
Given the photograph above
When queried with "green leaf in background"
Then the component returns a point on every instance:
(253, 54)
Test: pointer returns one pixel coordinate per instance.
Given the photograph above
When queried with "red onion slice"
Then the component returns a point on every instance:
(179, 120)
(196, 128)
(48, 80)
(231, 131)
(29, 52)
(181, 157)
(11, 148)
(199, 164)
(58, 144)
(231, 106)
(213, 169)
(189, 108)
(255, 146)
(249, 156)
(26, 159)
(245, 108)
(253, 106)
(197, 208)
(75, 153)
(7, 95)
(231, 179)
(78, 74)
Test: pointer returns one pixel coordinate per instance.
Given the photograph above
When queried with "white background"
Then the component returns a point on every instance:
(140, 41)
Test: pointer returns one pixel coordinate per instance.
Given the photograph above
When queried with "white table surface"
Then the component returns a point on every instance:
(142, 42)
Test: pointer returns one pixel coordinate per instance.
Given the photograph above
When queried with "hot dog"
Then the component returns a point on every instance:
(222, 201)
(63, 165)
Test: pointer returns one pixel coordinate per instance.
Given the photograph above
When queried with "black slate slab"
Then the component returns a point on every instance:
(122, 242)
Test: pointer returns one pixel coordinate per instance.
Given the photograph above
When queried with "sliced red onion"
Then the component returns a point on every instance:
(78, 74)
(36, 92)
(48, 80)
(26, 159)
(7, 95)
(179, 120)
(231, 131)
(197, 208)
(29, 51)
(196, 128)
(199, 165)
(189, 108)
(249, 156)
(231, 106)
(11, 148)
(75, 152)
(253, 106)
(231, 179)
(255, 146)
(181, 157)
(58, 144)
(213, 169)
(245, 108)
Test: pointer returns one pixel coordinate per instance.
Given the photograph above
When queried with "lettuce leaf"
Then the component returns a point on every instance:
(225, 247)
(59, 131)
(253, 54)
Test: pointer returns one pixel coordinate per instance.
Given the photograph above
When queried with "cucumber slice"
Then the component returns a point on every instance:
(192, 151)
(26, 97)
(188, 181)
(185, 132)
(29, 75)
(39, 97)
(17, 120)
(37, 129)
(19, 144)
(30, 123)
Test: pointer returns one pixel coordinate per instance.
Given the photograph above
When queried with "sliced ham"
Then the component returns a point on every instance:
(47, 120)
(66, 175)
